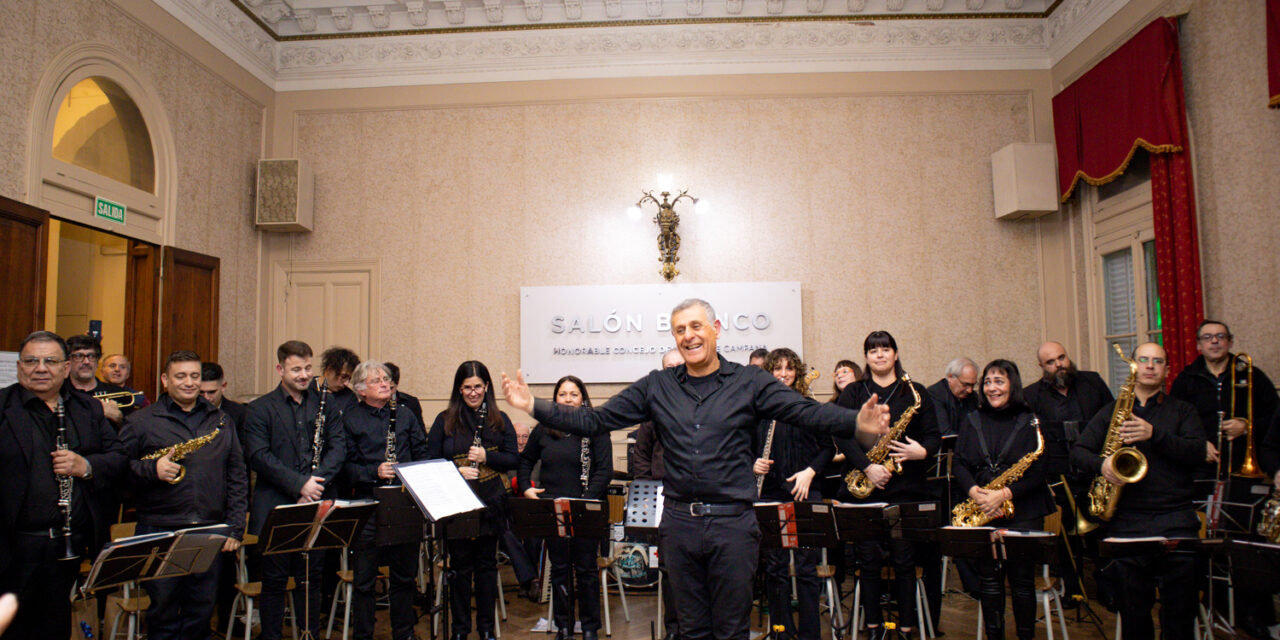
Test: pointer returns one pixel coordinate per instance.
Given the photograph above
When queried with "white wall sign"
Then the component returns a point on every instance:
(618, 333)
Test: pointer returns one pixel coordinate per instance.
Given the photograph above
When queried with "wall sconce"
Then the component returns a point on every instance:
(668, 221)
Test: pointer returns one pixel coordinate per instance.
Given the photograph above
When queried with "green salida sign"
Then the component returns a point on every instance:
(108, 210)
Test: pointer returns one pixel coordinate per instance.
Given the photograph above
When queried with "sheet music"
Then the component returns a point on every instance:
(438, 488)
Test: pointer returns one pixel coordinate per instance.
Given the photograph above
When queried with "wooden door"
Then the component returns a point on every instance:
(24, 256)
(141, 313)
(189, 304)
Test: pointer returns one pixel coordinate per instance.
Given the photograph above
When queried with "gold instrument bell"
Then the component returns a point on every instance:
(1241, 381)
(123, 399)
(181, 450)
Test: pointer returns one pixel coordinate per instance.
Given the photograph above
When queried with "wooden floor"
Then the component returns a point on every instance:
(959, 619)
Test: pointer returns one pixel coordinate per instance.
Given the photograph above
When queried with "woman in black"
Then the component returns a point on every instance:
(795, 458)
(994, 438)
(883, 378)
(472, 406)
(568, 473)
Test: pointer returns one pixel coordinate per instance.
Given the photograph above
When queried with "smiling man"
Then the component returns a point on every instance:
(704, 412)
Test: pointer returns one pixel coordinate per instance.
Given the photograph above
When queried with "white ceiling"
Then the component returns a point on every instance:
(315, 44)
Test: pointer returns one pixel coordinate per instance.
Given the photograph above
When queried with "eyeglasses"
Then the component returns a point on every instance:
(472, 388)
(84, 357)
(31, 362)
(1210, 337)
(1149, 360)
(383, 380)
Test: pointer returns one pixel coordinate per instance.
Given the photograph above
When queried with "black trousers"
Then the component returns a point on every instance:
(473, 561)
(276, 571)
(42, 583)
(181, 607)
(777, 564)
(574, 560)
(871, 559)
(1174, 574)
(402, 561)
(1022, 589)
(670, 626)
(711, 561)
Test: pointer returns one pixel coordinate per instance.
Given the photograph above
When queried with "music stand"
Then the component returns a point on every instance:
(974, 543)
(1255, 566)
(1158, 545)
(559, 518)
(644, 509)
(398, 519)
(151, 556)
(858, 522)
(919, 521)
(313, 526)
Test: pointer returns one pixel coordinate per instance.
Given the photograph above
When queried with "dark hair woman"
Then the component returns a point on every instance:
(796, 456)
(473, 416)
(846, 371)
(572, 467)
(994, 438)
(884, 380)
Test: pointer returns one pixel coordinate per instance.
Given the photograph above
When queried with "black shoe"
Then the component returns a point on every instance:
(589, 634)
(564, 634)
(877, 633)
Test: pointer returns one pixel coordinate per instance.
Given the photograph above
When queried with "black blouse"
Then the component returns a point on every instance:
(561, 458)
(1009, 436)
(910, 484)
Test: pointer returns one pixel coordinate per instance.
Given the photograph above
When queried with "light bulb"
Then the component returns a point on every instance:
(633, 212)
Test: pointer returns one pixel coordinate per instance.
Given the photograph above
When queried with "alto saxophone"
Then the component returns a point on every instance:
(317, 439)
(1269, 525)
(183, 449)
(968, 514)
(64, 483)
(1128, 462)
(857, 481)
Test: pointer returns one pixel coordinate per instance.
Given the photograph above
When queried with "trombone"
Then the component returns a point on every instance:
(123, 399)
(1242, 365)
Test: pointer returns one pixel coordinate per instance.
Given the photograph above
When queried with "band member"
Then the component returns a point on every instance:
(116, 369)
(281, 428)
(33, 470)
(213, 388)
(953, 395)
(1205, 383)
(212, 489)
(883, 382)
(1065, 398)
(572, 467)
(705, 413)
(757, 357)
(336, 366)
(991, 441)
(795, 458)
(85, 352)
(1167, 431)
(846, 371)
(473, 414)
(410, 402)
(372, 451)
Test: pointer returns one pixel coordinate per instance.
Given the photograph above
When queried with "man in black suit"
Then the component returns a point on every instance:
(281, 430)
(412, 403)
(31, 523)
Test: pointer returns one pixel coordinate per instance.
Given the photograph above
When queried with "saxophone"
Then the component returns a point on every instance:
(859, 485)
(1128, 462)
(1269, 525)
(968, 514)
(64, 483)
(183, 449)
(317, 439)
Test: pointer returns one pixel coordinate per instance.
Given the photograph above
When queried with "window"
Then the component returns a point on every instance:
(99, 128)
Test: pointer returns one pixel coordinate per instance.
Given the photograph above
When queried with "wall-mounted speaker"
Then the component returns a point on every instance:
(1024, 180)
(285, 191)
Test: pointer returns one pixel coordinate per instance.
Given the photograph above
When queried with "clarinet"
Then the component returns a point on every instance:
(317, 441)
(64, 484)
(483, 414)
(585, 456)
(389, 455)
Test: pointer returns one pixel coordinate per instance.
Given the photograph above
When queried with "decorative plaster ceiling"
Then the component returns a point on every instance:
(315, 44)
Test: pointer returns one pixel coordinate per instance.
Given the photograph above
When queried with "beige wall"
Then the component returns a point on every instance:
(872, 190)
(216, 115)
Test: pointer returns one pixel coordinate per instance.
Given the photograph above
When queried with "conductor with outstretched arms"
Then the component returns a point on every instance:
(705, 412)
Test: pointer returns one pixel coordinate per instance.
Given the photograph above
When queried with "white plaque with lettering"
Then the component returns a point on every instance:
(618, 333)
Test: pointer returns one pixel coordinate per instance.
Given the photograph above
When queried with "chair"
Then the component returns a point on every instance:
(342, 593)
(247, 594)
(129, 602)
(924, 620)
(606, 570)
(827, 574)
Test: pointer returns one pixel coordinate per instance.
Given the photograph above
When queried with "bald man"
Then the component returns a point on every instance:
(1167, 431)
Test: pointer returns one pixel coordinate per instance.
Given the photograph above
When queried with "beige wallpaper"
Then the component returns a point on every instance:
(879, 205)
(217, 131)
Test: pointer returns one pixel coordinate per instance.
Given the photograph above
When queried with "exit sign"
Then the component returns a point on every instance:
(108, 210)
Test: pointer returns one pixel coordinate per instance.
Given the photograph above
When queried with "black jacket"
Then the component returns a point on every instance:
(1175, 448)
(502, 454)
(237, 412)
(644, 459)
(89, 434)
(280, 448)
(366, 440)
(1031, 496)
(794, 449)
(1210, 394)
(561, 458)
(910, 484)
(412, 403)
(215, 488)
(951, 410)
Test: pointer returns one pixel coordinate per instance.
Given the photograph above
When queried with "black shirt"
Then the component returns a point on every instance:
(706, 433)
(561, 458)
(794, 449)
(1009, 436)
(951, 410)
(923, 428)
(366, 439)
(1176, 447)
(40, 510)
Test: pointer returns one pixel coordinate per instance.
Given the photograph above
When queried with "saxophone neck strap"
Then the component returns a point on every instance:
(975, 420)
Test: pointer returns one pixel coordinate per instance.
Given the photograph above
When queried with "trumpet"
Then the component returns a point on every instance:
(123, 399)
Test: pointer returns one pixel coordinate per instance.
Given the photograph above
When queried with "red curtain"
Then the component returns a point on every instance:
(1273, 52)
(1134, 99)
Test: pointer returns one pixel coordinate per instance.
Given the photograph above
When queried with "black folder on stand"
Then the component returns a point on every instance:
(327, 524)
(398, 519)
(559, 518)
(858, 522)
(796, 525)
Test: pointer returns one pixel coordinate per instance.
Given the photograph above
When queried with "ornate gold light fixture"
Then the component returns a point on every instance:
(668, 221)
